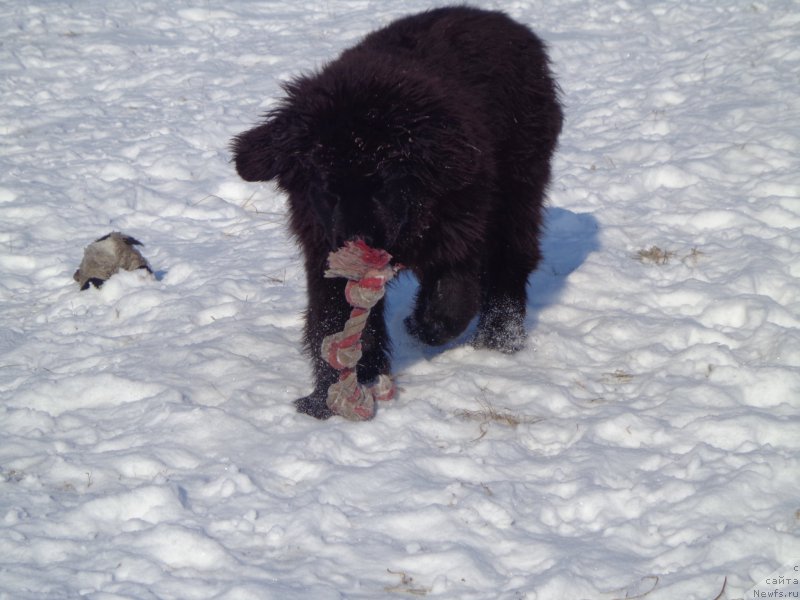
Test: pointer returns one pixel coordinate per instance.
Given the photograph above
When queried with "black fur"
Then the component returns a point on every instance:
(431, 139)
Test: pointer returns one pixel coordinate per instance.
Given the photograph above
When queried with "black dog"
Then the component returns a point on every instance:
(431, 139)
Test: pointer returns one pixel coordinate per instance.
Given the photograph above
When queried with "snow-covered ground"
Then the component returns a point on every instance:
(645, 445)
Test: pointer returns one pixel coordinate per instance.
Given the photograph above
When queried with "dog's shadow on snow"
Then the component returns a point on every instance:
(568, 239)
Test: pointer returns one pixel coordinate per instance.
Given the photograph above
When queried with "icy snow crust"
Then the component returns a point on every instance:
(644, 445)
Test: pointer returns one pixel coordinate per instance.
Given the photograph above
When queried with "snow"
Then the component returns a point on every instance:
(645, 444)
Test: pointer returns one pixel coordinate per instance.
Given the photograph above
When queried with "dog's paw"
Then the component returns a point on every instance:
(507, 337)
(414, 329)
(433, 332)
(315, 405)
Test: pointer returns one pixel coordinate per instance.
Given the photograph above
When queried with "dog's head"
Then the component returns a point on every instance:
(363, 148)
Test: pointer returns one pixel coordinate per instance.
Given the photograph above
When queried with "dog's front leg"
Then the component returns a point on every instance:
(327, 313)
(446, 302)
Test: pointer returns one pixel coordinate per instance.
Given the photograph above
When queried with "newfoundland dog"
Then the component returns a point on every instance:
(430, 139)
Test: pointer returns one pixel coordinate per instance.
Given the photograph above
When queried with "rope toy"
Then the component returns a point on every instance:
(368, 271)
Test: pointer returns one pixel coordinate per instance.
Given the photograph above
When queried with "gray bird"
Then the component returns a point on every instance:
(107, 255)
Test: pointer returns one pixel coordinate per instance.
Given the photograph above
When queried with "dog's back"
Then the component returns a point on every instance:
(500, 64)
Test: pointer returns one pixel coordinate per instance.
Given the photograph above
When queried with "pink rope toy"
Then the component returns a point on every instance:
(368, 271)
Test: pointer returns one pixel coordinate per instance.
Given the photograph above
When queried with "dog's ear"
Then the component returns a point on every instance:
(261, 153)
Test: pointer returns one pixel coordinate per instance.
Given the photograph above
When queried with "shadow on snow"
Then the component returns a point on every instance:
(568, 239)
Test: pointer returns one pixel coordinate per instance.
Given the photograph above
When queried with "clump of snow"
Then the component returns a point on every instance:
(645, 445)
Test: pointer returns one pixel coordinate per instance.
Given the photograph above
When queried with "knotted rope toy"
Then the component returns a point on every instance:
(368, 271)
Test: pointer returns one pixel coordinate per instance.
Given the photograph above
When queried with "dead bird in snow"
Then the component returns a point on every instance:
(107, 255)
